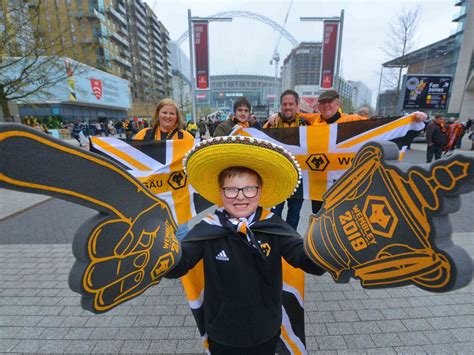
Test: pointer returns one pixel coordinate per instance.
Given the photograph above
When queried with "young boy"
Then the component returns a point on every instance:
(242, 244)
(242, 109)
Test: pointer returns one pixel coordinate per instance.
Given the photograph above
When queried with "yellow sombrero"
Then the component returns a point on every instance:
(278, 168)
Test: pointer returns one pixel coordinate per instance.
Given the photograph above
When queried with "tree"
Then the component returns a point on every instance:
(400, 41)
(31, 58)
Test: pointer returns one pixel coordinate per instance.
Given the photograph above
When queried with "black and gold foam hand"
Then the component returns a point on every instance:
(121, 251)
(387, 223)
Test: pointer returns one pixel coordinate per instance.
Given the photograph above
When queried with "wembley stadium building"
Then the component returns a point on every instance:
(225, 89)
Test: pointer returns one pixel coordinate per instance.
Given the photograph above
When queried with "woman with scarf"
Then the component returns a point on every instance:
(167, 123)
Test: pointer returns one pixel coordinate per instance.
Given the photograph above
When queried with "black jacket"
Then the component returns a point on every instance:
(434, 135)
(243, 289)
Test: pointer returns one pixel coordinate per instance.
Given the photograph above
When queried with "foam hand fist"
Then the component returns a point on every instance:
(387, 224)
(120, 252)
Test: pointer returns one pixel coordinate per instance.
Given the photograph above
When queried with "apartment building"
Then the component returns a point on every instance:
(122, 37)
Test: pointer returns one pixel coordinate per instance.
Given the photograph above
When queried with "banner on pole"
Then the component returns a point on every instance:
(201, 51)
(330, 34)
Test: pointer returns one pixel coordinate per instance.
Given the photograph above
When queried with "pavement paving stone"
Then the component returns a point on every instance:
(316, 329)
(328, 306)
(394, 313)
(463, 334)
(331, 342)
(313, 296)
(123, 321)
(54, 333)
(463, 321)
(369, 314)
(351, 305)
(80, 346)
(164, 346)
(148, 321)
(418, 312)
(128, 333)
(333, 295)
(6, 321)
(441, 336)
(464, 348)
(413, 338)
(366, 327)
(345, 316)
(135, 346)
(409, 349)
(355, 294)
(189, 347)
(374, 303)
(53, 346)
(390, 326)
(340, 328)
(386, 339)
(442, 323)
(155, 333)
(171, 321)
(359, 341)
(381, 350)
(79, 333)
(182, 333)
(100, 320)
(104, 333)
(440, 349)
(416, 324)
(320, 317)
(107, 346)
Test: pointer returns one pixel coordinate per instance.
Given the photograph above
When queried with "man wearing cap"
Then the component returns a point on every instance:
(242, 244)
(330, 112)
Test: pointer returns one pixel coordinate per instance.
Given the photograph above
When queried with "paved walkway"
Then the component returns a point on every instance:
(39, 313)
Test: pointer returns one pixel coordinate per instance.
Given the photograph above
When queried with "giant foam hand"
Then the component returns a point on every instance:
(387, 224)
(121, 251)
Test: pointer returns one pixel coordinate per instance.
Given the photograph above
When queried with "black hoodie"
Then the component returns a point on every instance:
(243, 286)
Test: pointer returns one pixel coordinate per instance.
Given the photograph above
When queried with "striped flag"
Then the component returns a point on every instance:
(325, 152)
(158, 166)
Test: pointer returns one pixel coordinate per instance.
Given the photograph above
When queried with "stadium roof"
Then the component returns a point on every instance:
(442, 47)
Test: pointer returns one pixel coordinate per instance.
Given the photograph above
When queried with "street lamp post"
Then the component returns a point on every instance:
(339, 19)
(191, 51)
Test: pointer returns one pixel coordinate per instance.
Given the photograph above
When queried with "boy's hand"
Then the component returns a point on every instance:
(386, 223)
(120, 252)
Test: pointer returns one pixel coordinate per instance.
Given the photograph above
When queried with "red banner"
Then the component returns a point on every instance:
(201, 52)
(329, 54)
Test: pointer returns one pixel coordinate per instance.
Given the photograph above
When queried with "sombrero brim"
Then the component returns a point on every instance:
(278, 169)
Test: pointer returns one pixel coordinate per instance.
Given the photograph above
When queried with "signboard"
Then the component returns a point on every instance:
(330, 34)
(201, 50)
(428, 92)
(72, 81)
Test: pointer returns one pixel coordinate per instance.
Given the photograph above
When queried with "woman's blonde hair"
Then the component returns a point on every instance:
(155, 122)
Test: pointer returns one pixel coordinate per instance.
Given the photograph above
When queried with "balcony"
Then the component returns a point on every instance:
(117, 15)
(122, 61)
(143, 47)
(139, 8)
(460, 15)
(120, 39)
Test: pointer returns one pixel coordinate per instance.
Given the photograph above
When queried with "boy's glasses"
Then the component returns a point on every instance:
(247, 191)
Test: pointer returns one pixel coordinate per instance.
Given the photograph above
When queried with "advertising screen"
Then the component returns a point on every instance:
(426, 92)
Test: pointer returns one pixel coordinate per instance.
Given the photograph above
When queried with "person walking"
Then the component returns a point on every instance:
(435, 138)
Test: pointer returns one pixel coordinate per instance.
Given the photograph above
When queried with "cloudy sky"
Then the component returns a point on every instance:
(246, 46)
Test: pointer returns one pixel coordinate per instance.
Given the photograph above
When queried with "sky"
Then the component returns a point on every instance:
(246, 46)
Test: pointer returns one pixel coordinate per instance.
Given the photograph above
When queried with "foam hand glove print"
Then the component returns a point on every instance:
(121, 251)
(387, 223)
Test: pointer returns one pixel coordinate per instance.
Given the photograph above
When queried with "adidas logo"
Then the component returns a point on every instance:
(222, 256)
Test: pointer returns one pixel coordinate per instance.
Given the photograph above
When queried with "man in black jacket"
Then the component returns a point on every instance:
(435, 138)
(242, 244)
